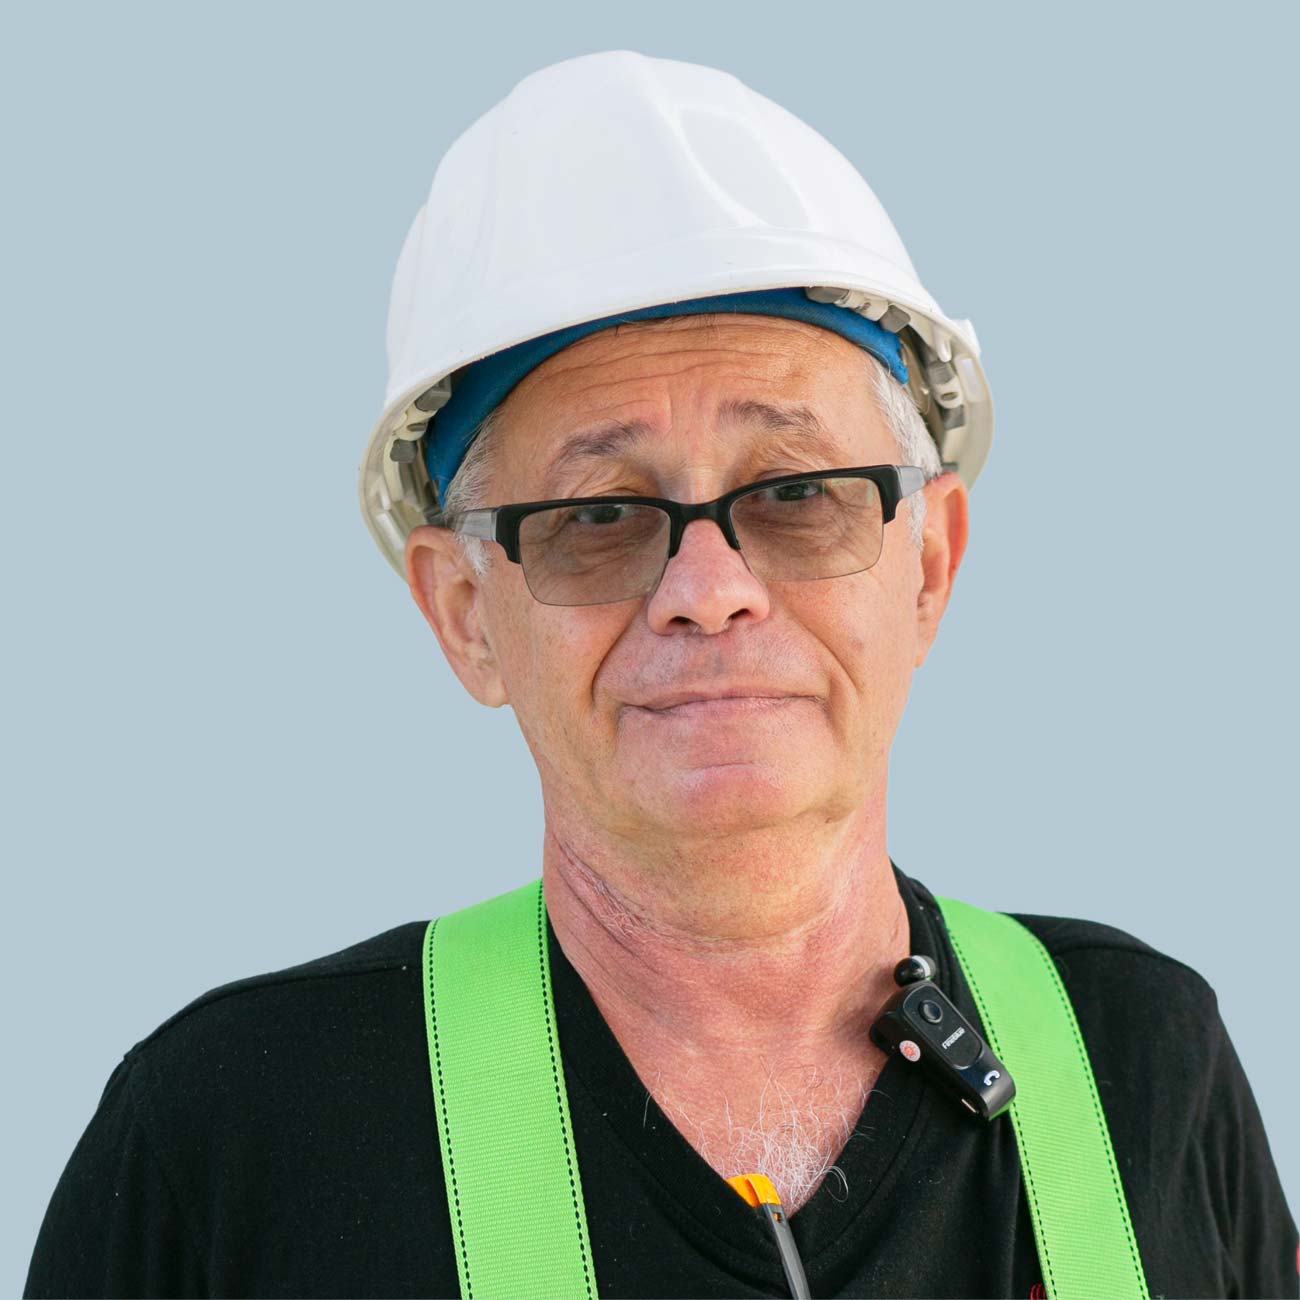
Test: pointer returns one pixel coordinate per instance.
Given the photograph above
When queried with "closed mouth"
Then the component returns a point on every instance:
(719, 704)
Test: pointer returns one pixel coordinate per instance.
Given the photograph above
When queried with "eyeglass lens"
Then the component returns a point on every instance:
(597, 553)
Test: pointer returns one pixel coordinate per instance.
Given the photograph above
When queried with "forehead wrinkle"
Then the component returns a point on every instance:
(792, 360)
(576, 358)
(738, 328)
(802, 434)
(771, 415)
(613, 436)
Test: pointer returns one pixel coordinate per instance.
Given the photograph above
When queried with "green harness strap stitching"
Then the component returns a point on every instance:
(498, 1084)
(1082, 1226)
(440, 1103)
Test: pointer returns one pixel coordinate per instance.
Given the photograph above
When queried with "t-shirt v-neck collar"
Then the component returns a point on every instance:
(835, 1222)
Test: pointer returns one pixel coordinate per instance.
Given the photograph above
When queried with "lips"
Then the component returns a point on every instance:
(690, 697)
(756, 694)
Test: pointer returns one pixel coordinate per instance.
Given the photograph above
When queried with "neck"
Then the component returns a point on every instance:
(757, 946)
(737, 945)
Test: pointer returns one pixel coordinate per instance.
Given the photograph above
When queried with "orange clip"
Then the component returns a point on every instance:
(756, 1189)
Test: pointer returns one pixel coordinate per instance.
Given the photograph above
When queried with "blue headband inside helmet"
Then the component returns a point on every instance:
(485, 384)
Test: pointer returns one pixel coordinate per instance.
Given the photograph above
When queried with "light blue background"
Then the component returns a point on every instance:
(232, 742)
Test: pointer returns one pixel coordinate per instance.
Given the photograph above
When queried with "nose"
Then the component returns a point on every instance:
(705, 585)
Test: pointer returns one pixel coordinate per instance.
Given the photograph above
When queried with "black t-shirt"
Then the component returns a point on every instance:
(277, 1137)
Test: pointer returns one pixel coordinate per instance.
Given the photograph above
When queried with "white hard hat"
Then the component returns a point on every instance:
(613, 182)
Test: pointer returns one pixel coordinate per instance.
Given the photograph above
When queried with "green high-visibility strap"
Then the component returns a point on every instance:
(517, 1217)
(513, 1188)
(1085, 1239)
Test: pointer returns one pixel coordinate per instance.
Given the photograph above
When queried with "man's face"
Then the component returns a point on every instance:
(821, 668)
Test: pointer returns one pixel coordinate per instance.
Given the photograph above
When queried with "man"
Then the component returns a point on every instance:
(710, 701)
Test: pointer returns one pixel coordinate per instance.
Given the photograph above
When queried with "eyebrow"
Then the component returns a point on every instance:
(771, 417)
(614, 439)
(607, 440)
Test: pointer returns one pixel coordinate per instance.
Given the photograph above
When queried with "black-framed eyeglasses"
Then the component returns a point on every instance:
(793, 528)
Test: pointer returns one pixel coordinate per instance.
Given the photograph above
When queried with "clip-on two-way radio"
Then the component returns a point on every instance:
(921, 1023)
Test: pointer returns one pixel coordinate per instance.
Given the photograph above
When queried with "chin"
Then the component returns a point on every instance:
(722, 797)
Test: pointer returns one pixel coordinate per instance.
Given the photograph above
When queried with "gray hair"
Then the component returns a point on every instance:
(469, 485)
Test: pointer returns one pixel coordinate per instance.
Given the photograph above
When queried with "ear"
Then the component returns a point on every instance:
(947, 525)
(450, 596)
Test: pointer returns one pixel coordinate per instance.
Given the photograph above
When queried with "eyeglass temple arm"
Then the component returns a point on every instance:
(911, 478)
(469, 523)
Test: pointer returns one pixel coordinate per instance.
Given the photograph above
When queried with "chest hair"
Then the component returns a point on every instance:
(792, 1131)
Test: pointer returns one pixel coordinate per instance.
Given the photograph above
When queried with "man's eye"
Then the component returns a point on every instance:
(793, 491)
(599, 514)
